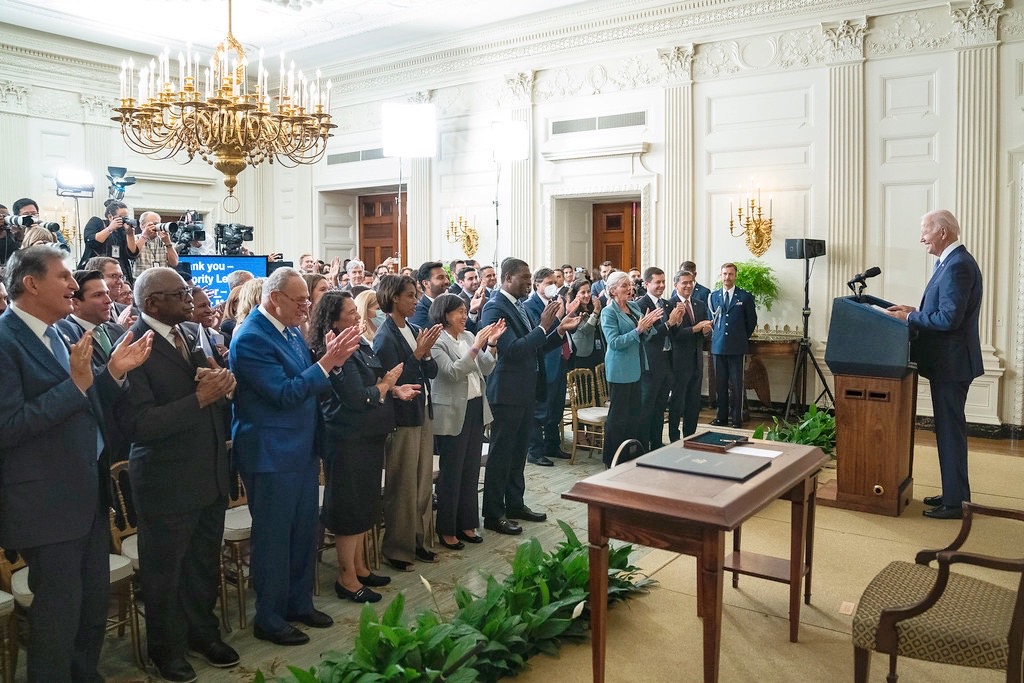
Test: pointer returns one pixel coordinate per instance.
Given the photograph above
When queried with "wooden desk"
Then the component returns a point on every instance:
(690, 514)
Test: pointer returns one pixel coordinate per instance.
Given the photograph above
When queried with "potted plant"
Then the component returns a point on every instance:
(758, 278)
(815, 428)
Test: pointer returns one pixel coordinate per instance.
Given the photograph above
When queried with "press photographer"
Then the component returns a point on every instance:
(116, 239)
(12, 229)
(26, 211)
(156, 249)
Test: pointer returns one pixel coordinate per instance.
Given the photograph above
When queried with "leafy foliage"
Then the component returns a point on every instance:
(816, 428)
(758, 278)
(491, 635)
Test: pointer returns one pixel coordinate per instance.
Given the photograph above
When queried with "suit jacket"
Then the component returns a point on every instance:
(421, 316)
(391, 347)
(700, 293)
(201, 335)
(276, 424)
(514, 380)
(733, 325)
(353, 409)
(534, 306)
(51, 483)
(451, 386)
(73, 330)
(179, 458)
(947, 347)
(584, 335)
(687, 345)
(659, 362)
(622, 360)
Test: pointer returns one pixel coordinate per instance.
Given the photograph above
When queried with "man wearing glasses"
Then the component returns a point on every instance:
(175, 414)
(276, 430)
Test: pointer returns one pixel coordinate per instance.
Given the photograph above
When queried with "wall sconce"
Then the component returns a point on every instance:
(460, 232)
(755, 227)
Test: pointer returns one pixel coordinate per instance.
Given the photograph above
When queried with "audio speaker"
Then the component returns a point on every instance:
(805, 248)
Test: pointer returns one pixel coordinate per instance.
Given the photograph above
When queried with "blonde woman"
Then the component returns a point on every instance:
(369, 313)
(37, 235)
(249, 299)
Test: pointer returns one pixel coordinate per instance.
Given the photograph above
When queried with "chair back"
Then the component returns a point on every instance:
(630, 449)
(236, 491)
(582, 389)
(602, 384)
(123, 520)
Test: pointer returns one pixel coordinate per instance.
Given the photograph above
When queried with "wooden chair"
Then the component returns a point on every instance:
(237, 531)
(913, 610)
(602, 385)
(588, 418)
(630, 449)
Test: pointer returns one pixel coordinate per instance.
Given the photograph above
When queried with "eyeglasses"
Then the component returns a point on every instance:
(118, 276)
(300, 302)
(183, 294)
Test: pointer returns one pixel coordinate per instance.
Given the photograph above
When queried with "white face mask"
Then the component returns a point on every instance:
(379, 317)
(550, 292)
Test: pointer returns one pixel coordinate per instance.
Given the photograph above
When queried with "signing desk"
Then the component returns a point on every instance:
(690, 514)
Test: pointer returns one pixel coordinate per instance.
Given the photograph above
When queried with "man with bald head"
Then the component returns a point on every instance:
(175, 414)
(155, 246)
(948, 352)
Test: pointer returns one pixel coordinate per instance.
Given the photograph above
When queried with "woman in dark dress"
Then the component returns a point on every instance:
(359, 414)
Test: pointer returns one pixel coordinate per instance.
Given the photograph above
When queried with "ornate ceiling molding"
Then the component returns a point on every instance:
(518, 90)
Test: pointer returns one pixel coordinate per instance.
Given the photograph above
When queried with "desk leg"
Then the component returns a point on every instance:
(737, 532)
(798, 510)
(598, 590)
(710, 572)
(812, 505)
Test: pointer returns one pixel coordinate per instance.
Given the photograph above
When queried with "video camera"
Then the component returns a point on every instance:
(230, 236)
(185, 231)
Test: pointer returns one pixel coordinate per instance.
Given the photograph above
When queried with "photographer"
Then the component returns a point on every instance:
(155, 246)
(116, 239)
(10, 235)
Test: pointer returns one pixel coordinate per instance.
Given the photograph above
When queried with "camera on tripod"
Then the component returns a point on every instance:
(230, 237)
(187, 230)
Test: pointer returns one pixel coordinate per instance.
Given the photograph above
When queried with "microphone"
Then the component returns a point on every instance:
(860, 278)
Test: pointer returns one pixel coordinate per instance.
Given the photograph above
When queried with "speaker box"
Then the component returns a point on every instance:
(805, 248)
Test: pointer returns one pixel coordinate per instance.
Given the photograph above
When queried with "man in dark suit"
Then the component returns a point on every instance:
(948, 352)
(488, 281)
(90, 311)
(178, 469)
(700, 292)
(733, 318)
(276, 444)
(110, 268)
(471, 291)
(656, 378)
(687, 356)
(434, 281)
(54, 472)
(512, 390)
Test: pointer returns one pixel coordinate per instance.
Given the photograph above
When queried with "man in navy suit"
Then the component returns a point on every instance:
(276, 432)
(54, 470)
(700, 292)
(948, 352)
(687, 356)
(434, 282)
(90, 311)
(512, 390)
(657, 378)
(734, 318)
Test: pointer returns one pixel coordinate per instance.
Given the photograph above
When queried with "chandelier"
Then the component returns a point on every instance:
(214, 114)
(755, 227)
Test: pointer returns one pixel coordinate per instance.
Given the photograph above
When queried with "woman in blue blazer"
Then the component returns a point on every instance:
(623, 325)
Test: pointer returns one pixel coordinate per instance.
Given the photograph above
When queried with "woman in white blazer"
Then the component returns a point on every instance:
(460, 413)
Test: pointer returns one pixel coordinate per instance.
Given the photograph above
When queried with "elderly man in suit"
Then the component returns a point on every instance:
(948, 352)
(687, 355)
(276, 431)
(512, 391)
(55, 499)
(175, 414)
(734, 318)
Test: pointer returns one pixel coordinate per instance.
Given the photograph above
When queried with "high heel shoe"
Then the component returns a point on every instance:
(467, 538)
(458, 545)
(364, 594)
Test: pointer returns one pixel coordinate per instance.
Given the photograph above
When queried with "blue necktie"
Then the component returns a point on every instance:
(523, 315)
(60, 352)
(300, 346)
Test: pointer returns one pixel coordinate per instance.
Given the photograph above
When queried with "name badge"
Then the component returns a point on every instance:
(115, 252)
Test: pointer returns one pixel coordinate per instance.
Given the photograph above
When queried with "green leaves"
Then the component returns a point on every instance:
(816, 428)
(758, 278)
(541, 602)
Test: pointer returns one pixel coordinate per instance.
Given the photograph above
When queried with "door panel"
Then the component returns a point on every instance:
(616, 238)
(380, 236)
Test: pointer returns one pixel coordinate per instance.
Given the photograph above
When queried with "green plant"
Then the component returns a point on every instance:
(490, 636)
(815, 428)
(758, 278)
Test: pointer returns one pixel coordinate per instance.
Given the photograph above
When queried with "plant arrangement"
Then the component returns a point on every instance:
(489, 636)
(815, 428)
(758, 278)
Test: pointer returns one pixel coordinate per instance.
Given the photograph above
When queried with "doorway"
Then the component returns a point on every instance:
(380, 235)
(616, 234)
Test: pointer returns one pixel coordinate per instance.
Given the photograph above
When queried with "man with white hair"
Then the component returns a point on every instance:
(356, 270)
(237, 278)
(276, 430)
(155, 246)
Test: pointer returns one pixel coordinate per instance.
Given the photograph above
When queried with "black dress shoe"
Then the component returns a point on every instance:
(374, 580)
(218, 654)
(458, 545)
(933, 501)
(289, 635)
(364, 594)
(718, 423)
(736, 425)
(315, 619)
(527, 514)
(539, 460)
(468, 539)
(945, 512)
(424, 555)
(503, 525)
(177, 670)
(560, 454)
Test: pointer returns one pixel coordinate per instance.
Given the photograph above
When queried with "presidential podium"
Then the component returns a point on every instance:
(876, 402)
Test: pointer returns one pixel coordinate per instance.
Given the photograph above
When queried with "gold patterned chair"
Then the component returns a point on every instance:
(588, 417)
(234, 561)
(913, 610)
(602, 385)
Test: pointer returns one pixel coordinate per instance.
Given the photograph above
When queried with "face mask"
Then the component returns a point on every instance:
(550, 292)
(378, 318)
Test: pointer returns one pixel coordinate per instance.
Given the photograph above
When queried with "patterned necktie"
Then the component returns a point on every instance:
(689, 312)
(522, 314)
(179, 343)
(57, 348)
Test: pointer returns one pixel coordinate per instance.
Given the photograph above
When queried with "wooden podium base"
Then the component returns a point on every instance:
(829, 496)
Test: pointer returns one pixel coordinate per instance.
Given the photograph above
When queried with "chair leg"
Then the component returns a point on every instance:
(861, 664)
(893, 676)
(237, 552)
(225, 623)
(133, 625)
(575, 440)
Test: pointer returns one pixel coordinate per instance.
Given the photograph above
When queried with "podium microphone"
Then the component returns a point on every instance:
(860, 278)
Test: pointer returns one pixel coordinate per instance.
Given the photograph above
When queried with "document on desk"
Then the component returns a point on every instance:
(753, 450)
(737, 467)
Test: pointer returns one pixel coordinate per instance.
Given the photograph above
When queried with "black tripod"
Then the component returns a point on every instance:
(798, 385)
